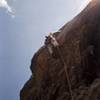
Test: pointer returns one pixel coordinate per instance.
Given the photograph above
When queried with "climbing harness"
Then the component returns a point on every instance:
(56, 45)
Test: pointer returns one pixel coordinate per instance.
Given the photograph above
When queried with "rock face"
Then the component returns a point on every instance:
(79, 43)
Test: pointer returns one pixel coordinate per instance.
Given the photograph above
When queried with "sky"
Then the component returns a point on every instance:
(23, 27)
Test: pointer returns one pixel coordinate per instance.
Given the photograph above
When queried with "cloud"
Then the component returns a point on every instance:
(84, 4)
(4, 4)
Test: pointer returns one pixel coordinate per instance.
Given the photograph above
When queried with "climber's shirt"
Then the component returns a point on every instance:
(51, 43)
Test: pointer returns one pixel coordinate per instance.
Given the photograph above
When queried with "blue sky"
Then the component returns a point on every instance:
(21, 36)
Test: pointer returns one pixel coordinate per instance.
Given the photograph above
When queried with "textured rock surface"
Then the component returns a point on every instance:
(80, 45)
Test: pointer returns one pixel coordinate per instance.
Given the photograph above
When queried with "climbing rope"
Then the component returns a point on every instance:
(56, 44)
(66, 72)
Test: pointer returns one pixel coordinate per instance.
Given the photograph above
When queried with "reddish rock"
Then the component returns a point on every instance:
(79, 43)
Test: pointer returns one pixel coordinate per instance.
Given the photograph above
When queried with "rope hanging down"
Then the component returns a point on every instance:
(54, 42)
